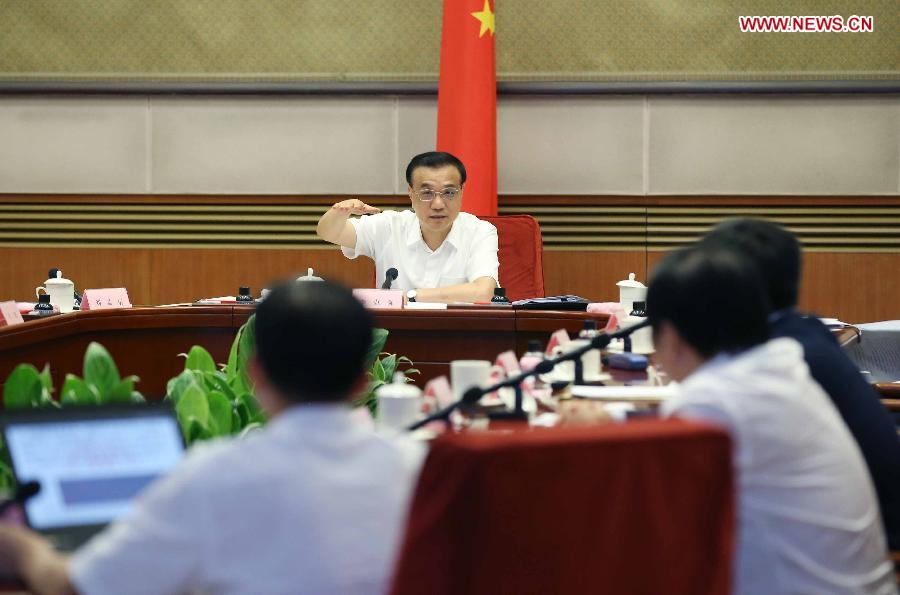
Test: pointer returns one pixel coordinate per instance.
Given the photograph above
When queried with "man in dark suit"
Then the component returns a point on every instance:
(777, 253)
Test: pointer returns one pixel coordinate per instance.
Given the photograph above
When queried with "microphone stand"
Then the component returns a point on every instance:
(389, 278)
(474, 394)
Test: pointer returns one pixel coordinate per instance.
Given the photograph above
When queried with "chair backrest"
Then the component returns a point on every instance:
(642, 507)
(521, 255)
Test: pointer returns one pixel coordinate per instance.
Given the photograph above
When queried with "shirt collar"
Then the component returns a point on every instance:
(311, 415)
(414, 232)
(454, 238)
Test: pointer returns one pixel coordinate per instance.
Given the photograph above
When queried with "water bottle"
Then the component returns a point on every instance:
(499, 296)
(244, 296)
(44, 307)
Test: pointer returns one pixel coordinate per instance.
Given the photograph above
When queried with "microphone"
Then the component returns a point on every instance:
(389, 277)
(474, 394)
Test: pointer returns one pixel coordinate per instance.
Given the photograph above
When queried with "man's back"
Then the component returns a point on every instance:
(312, 504)
(859, 406)
(808, 518)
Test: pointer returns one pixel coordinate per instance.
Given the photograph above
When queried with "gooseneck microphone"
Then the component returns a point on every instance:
(389, 277)
(474, 394)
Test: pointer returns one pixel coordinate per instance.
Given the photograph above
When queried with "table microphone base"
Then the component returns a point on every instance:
(508, 415)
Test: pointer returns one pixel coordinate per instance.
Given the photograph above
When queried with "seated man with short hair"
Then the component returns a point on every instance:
(313, 503)
(440, 253)
(808, 519)
(776, 252)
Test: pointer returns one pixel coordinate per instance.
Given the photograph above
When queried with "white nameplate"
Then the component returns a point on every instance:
(426, 305)
(9, 314)
(105, 299)
(385, 299)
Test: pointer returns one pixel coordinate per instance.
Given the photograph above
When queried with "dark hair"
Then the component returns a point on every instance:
(772, 248)
(312, 338)
(713, 297)
(435, 159)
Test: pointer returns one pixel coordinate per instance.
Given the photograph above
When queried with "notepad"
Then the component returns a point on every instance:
(626, 393)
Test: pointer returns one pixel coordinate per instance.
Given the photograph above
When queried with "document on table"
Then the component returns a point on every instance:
(626, 393)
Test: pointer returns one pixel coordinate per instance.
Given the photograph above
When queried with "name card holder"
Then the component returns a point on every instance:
(507, 360)
(105, 299)
(384, 299)
(439, 390)
(9, 314)
(559, 338)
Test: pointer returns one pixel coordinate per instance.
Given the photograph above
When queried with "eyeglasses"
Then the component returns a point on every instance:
(428, 195)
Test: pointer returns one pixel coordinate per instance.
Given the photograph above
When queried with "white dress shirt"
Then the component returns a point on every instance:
(314, 503)
(393, 239)
(808, 519)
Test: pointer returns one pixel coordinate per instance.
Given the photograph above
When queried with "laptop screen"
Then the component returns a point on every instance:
(89, 470)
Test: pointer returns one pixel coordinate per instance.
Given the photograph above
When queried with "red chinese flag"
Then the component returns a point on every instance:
(467, 99)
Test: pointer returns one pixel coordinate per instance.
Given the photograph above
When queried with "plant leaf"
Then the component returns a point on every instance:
(217, 381)
(200, 360)
(23, 387)
(378, 371)
(76, 391)
(176, 386)
(137, 397)
(236, 423)
(7, 479)
(379, 338)
(46, 379)
(243, 413)
(100, 370)
(246, 350)
(253, 409)
(122, 391)
(389, 364)
(193, 404)
(193, 431)
(219, 413)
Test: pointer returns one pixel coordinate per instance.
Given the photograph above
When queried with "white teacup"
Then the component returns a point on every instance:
(399, 406)
(466, 373)
(61, 291)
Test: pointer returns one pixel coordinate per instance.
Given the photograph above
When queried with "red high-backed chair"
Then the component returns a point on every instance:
(521, 255)
(645, 507)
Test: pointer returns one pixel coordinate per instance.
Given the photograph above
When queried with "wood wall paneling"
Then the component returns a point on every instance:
(855, 287)
(591, 242)
(592, 275)
(184, 275)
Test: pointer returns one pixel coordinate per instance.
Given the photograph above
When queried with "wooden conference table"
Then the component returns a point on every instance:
(146, 341)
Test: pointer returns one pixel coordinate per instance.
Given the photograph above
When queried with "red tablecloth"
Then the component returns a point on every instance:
(644, 507)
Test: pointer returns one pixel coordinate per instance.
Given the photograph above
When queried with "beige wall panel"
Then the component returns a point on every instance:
(91, 145)
(552, 145)
(416, 132)
(774, 145)
(321, 145)
(574, 145)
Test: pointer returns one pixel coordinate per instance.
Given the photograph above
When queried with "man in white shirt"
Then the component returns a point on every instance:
(808, 518)
(314, 503)
(440, 254)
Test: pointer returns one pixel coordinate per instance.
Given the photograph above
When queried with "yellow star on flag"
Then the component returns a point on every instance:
(486, 17)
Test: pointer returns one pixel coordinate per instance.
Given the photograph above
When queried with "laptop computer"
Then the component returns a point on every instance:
(90, 462)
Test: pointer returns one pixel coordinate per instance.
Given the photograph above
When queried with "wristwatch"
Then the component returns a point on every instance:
(411, 295)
